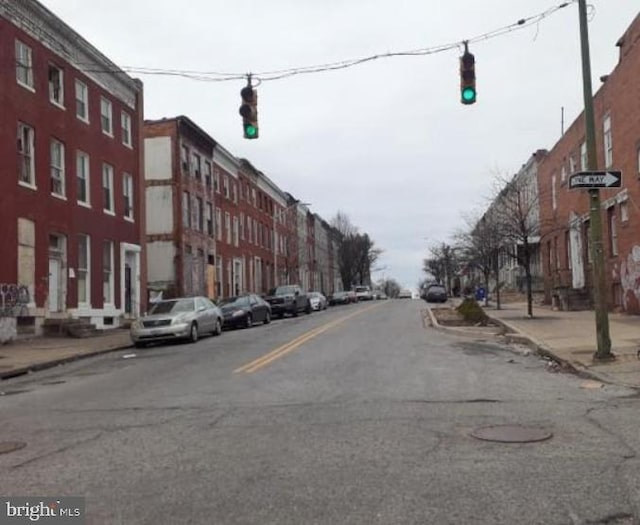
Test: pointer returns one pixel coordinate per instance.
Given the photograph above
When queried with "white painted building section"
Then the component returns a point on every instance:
(160, 264)
(159, 210)
(157, 158)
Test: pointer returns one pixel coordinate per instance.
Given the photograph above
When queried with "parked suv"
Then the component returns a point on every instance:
(363, 293)
(288, 299)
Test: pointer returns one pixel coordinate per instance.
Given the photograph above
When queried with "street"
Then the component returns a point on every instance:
(360, 414)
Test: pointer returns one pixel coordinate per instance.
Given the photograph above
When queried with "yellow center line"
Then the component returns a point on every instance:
(286, 348)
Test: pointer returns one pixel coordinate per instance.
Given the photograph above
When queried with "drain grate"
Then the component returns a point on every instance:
(511, 434)
(11, 446)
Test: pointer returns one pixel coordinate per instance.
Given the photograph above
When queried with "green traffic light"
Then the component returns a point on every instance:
(250, 131)
(468, 95)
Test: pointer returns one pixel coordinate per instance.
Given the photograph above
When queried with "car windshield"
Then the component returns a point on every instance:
(173, 306)
(283, 290)
(235, 301)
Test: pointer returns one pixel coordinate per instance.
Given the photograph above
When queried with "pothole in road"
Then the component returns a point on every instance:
(511, 434)
(11, 446)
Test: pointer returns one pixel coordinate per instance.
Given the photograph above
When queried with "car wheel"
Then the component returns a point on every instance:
(308, 309)
(248, 323)
(193, 333)
(294, 312)
(267, 318)
(218, 328)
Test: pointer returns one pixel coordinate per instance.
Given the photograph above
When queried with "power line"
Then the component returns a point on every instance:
(265, 76)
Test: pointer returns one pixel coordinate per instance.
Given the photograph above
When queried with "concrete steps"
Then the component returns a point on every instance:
(78, 328)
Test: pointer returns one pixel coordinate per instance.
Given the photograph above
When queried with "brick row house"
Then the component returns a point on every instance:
(565, 262)
(565, 212)
(217, 226)
(180, 193)
(103, 211)
(71, 159)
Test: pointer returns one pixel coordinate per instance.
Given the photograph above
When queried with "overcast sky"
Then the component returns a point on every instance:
(387, 142)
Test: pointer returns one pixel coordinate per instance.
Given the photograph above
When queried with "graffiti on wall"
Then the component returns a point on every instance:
(630, 280)
(14, 300)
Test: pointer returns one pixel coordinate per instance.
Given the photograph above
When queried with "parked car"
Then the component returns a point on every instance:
(288, 299)
(405, 294)
(339, 298)
(180, 318)
(363, 293)
(353, 298)
(244, 310)
(435, 293)
(381, 296)
(318, 301)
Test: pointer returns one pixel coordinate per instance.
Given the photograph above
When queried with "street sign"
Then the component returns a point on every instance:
(596, 179)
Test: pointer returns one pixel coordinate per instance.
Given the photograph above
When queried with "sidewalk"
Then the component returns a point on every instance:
(37, 353)
(570, 338)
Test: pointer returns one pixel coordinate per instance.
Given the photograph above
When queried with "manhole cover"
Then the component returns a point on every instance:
(11, 446)
(511, 434)
(13, 392)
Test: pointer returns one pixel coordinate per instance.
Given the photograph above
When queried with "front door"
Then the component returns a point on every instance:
(54, 284)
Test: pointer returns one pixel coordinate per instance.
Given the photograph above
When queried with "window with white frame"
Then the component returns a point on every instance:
(227, 226)
(26, 155)
(24, 65)
(216, 181)
(127, 194)
(186, 209)
(82, 178)
(57, 175)
(236, 234)
(106, 116)
(218, 224)
(608, 142)
(209, 219)
(583, 156)
(82, 101)
(207, 173)
(125, 121)
(107, 272)
(563, 173)
(572, 164)
(613, 231)
(234, 193)
(255, 232)
(108, 204)
(197, 166)
(241, 226)
(199, 215)
(83, 270)
(624, 211)
(184, 159)
(56, 85)
(225, 186)
(554, 199)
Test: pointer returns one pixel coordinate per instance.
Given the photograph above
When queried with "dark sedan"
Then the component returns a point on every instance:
(339, 298)
(244, 310)
(436, 294)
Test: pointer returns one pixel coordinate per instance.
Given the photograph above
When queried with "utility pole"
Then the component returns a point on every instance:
(603, 351)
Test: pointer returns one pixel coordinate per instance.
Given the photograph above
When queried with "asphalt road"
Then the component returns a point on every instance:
(357, 415)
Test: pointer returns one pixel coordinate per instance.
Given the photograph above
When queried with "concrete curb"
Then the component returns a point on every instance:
(55, 362)
(514, 335)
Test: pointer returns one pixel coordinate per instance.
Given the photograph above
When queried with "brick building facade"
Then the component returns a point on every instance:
(71, 190)
(564, 212)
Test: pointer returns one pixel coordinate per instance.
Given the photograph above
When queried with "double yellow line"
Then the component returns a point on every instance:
(286, 348)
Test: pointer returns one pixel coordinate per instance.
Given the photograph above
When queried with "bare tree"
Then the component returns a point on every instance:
(516, 211)
(357, 252)
(480, 247)
(442, 264)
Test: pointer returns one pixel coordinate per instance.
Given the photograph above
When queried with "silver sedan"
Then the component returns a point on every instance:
(181, 318)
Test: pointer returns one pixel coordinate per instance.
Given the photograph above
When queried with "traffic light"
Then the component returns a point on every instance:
(249, 111)
(467, 77)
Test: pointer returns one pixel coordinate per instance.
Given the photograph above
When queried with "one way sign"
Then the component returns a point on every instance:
(596, 179)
